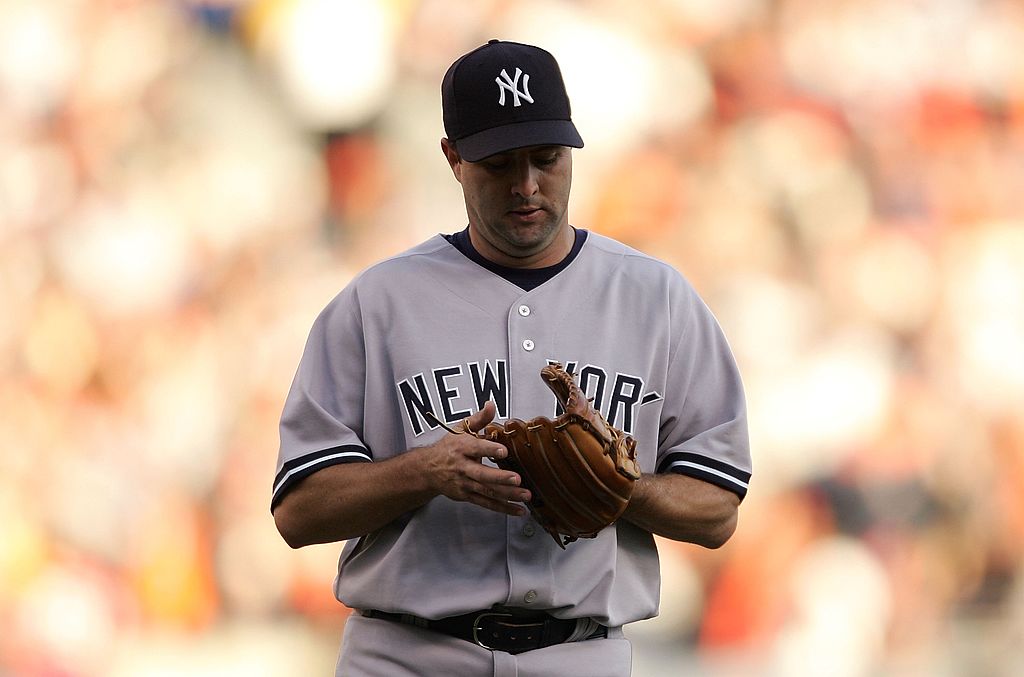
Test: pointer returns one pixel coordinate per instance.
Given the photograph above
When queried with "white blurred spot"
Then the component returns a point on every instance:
(841, 608)
(985, 291)
(125, 257)
(872, 53)
(69, 618)
(38, 55)
(808, 418)
(896, 280)
(622, 88)
(335, 60)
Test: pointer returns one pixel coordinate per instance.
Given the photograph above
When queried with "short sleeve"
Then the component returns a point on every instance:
(704, 423)
(321, 424)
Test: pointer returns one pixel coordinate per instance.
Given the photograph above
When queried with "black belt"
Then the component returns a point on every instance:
(500, 629)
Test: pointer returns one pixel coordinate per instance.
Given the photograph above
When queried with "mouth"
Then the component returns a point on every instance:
(527, 213)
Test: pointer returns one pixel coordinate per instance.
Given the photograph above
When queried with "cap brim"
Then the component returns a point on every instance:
(483, 144)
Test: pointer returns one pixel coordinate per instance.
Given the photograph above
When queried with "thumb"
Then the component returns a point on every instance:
(477, 421)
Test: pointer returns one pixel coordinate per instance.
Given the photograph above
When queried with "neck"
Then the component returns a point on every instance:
(553, 253)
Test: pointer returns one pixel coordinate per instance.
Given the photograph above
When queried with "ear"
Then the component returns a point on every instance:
(453, 157)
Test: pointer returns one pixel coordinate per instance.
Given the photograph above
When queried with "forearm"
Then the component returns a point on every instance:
(349, 500)
(683, 508)
(352, 499)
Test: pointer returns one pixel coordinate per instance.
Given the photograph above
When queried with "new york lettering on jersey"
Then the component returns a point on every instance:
(454, 392)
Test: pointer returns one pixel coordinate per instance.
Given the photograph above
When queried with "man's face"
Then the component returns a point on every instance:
(517, 201)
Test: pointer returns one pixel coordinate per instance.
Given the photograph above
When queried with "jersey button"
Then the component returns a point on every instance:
(529, 530)
(524, 310)
(527, 345)
(530, 597)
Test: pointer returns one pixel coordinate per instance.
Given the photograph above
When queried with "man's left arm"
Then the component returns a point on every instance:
(683, 508)
(702, 466)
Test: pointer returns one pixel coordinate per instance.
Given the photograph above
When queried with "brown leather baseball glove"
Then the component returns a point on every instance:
(579, 469)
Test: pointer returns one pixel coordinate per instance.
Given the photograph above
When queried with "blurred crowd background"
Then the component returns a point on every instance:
(184, 185)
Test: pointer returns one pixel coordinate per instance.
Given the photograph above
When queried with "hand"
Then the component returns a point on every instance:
(453, 468)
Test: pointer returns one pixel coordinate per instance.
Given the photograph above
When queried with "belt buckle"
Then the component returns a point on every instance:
(476, 627)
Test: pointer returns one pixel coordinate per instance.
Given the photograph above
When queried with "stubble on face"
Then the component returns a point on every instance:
(517, 203)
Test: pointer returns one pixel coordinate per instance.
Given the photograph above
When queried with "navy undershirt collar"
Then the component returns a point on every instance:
(526, 279)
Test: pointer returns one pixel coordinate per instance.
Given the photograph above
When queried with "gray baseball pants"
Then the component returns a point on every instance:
(374, 647)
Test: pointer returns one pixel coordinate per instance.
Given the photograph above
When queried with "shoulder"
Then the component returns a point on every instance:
(614, 255)
(394, 274)
(434, 255)
(413, 260)
(604, 246)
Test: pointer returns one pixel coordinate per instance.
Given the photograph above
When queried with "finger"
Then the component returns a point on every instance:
(493, 501)
(513, 509)
(477, 421)
(496, 484)
(485, 476)
(479, 449)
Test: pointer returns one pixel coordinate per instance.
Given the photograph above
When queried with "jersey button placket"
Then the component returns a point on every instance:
(524, 311)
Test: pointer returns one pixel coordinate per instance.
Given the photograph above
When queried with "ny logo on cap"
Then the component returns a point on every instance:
(512, 85)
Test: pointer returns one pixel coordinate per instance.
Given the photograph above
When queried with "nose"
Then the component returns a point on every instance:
(525, 177)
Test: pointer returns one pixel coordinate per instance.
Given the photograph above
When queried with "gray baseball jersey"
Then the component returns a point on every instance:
(430, 330)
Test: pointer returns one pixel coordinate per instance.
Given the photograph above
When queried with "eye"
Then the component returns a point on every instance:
(546, 159)
(495, 165)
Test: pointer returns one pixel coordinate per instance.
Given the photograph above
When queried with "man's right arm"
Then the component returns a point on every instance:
(353, 499)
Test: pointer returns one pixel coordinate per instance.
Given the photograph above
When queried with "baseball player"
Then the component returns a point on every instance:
(445, 568)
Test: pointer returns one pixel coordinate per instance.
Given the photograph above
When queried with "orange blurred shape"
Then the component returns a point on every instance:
(748, 602)
(643, 198)
(172, 570)
(24, 552)
(310, 597)
(310, 588)
(61, 345)
(942, 112)
(357, 177)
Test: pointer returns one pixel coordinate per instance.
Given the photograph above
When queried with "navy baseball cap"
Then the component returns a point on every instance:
(503, 96)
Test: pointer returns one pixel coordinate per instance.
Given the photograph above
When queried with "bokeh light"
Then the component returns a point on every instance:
(184, 185)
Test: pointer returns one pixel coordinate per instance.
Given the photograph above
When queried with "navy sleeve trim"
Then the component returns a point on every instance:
(707, 469)
(304, 466)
